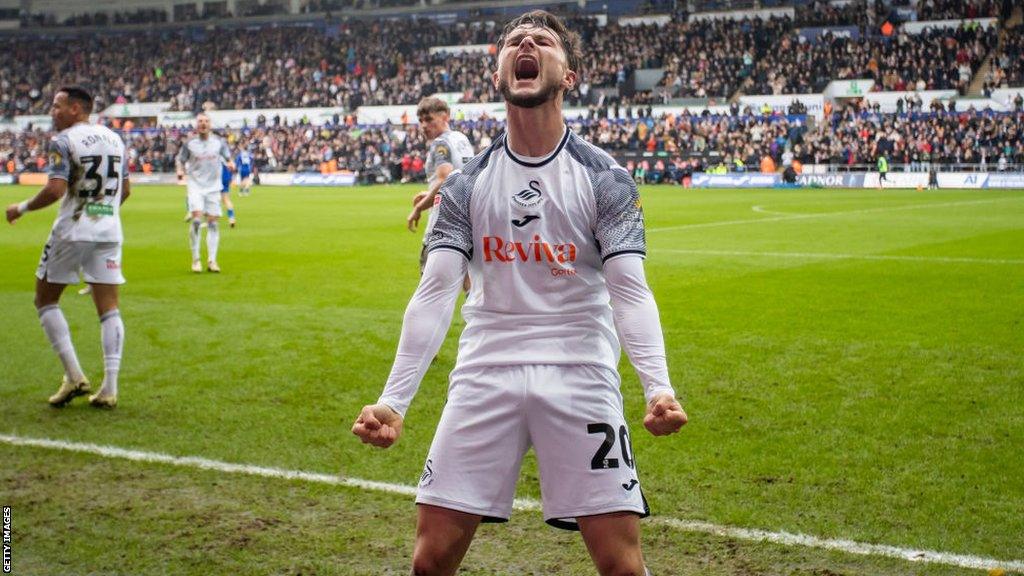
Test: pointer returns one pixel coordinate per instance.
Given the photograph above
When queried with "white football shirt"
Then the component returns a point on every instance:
(449, 148)
(203, 160)
(536, 232)
(92, 160)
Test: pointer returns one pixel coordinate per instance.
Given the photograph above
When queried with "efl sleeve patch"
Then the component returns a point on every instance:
(59, 157)
(620, 217)
(441, 153)
(453, 228)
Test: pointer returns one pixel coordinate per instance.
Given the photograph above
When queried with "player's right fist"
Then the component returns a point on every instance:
(13, 213)
(378, 425)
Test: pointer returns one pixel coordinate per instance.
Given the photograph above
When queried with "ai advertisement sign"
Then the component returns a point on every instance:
(981, 180)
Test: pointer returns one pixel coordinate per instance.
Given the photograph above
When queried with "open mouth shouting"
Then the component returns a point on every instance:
(526, 68)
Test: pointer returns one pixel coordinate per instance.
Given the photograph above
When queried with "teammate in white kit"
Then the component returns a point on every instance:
(551, 231)
(88, 170)
(449, 150)
(202, 158)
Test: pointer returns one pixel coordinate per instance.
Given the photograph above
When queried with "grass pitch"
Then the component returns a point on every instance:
(852, 362)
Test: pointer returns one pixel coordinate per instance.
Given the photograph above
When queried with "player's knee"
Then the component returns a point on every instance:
(426, 564)
(429, 558)
(620, 564)
(40, 302)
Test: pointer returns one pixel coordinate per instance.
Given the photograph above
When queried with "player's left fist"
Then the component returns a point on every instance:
(13, 213)
(664, 415)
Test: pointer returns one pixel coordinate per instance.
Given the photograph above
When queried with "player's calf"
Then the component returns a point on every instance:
(112, 338)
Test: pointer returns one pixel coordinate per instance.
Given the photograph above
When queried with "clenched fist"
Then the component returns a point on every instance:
(664, 415)
(379, 425)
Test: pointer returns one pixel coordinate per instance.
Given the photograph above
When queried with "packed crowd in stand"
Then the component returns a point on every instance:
(364, 62)
(276, 148)
(711, 58)
(360, 62)
(957, 9)
(1008, 68)
(182, 13)
(861, 13)
(854, 135)
(936, 59)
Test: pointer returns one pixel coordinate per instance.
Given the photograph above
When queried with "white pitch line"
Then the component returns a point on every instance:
(829, 256)
(764, 210)
(850, 546)
(749, 534)
(825, 214)
(228, 467)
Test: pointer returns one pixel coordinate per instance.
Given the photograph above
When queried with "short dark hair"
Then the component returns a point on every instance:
(544, 19)
(80, 95)
(431, 105)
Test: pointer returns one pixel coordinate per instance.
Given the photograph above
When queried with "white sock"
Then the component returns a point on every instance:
(212, 241)
(57, 331)
(193, 238)
(112, 336)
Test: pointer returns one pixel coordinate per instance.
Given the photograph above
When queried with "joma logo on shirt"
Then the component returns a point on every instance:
(498, 249)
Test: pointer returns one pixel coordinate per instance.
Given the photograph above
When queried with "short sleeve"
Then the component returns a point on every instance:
(59, 157)
(620, 218)
(440, 152)
(453, 229)
(225, 152)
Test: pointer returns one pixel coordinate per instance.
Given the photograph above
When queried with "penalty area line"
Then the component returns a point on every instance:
(522, 504)
(831, 256)
(807, 216)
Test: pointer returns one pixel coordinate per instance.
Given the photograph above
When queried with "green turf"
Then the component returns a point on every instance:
(877, 400)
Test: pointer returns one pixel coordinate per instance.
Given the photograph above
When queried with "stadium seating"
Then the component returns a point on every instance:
(938, 58)
(355, 63)
(957, 9)
(381, 62)
(852, 137)
(1008, 69)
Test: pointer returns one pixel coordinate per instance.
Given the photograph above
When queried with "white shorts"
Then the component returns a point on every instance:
(205, 202)
(99, 262)
(572, 416)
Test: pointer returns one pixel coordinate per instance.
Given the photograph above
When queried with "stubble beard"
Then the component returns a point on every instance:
(542, 96)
